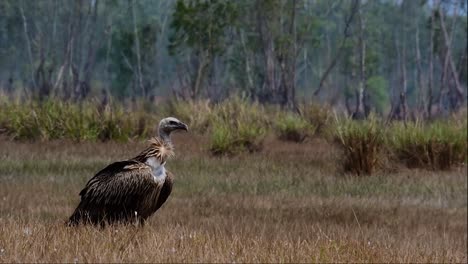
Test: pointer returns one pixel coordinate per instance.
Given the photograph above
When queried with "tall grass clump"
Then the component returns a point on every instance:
(118, 123)
(320, 116)
(237, 126)
(54, 119)
(438, 145)
(361, 142)
(196, 113)
(292, 127)
(49, 120)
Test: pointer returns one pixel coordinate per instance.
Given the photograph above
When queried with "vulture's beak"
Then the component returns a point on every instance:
(183, 126)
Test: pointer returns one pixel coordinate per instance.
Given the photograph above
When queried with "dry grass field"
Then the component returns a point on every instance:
(288, 203)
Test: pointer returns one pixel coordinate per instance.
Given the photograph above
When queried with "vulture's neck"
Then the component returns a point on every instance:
(159, 149)
(165, 137)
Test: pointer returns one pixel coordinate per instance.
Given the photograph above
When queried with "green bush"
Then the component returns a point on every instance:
(237, 126)
(119, 124)
(292, 127)
(361, 142)
(317, 115)
(19, 122)
(54, 119)
(197, 114)
(437, 146)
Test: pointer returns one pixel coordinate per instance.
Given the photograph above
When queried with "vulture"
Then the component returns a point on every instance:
(130, 191)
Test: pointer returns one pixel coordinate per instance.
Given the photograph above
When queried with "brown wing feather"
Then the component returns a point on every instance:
(115, 193)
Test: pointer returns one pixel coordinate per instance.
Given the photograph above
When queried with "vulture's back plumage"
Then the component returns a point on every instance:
(128, 191)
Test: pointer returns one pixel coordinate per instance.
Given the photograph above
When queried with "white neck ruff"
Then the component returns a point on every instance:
(158, 170)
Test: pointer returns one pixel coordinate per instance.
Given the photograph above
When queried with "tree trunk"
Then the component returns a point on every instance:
(28, 46)
(107, 78)
(404, 86)
(203, 63)
(451, 64)
(420, 100)
(84, 85)
(399, 109)
(248, 69)
(269, 88)
(137, 48)
(360, 112)
(431, 70)
(60, 81)
(291, 59)
(346, 35)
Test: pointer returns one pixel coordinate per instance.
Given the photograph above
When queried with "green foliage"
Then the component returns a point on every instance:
(361, 142)
(200, 25)
(121, 54)
(63, 120)
(317, 115)
(438, 145)
(196, 113)
(123, 57)
(378, 89)
(237, 126)
(235, 45)
(292, 127)
(199, 32)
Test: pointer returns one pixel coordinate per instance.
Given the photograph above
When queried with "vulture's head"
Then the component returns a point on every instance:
(169, 124)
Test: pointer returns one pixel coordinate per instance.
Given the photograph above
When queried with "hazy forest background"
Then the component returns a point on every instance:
(403, 58)
(319, 130)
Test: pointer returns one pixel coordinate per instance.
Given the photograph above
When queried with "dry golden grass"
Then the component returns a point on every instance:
(287, 203)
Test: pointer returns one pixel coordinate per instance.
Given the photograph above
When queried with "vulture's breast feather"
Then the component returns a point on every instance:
(157, 169)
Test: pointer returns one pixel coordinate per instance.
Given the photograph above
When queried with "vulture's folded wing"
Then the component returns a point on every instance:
(165, 190)
(121, 184)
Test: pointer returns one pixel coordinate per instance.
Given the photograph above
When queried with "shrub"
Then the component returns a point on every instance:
(291, 127)
(437, 146)
(118, 124)
(197, 114)
(361, 142)
(317, 115)
(19, 121)
(54, 119)
(237, 126)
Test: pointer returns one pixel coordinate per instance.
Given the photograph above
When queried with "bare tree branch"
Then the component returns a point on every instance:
(137, 47)
(28, 43)
(353, 11)
(447, 40)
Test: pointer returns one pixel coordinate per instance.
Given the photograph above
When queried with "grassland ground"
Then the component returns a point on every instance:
(288, 203)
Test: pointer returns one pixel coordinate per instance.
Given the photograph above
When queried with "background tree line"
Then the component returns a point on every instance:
(404, 58)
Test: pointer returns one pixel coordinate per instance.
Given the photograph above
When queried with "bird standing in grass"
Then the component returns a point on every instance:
(130, 191)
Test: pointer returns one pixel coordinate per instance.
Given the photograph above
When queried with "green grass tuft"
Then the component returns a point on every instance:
(361, 142)
(237, 126)
(292, 127)
(54, 119)
(438, 146)
(197, 114)
(320, 116)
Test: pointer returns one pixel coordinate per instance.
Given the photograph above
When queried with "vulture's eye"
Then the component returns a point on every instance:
(173, 122)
